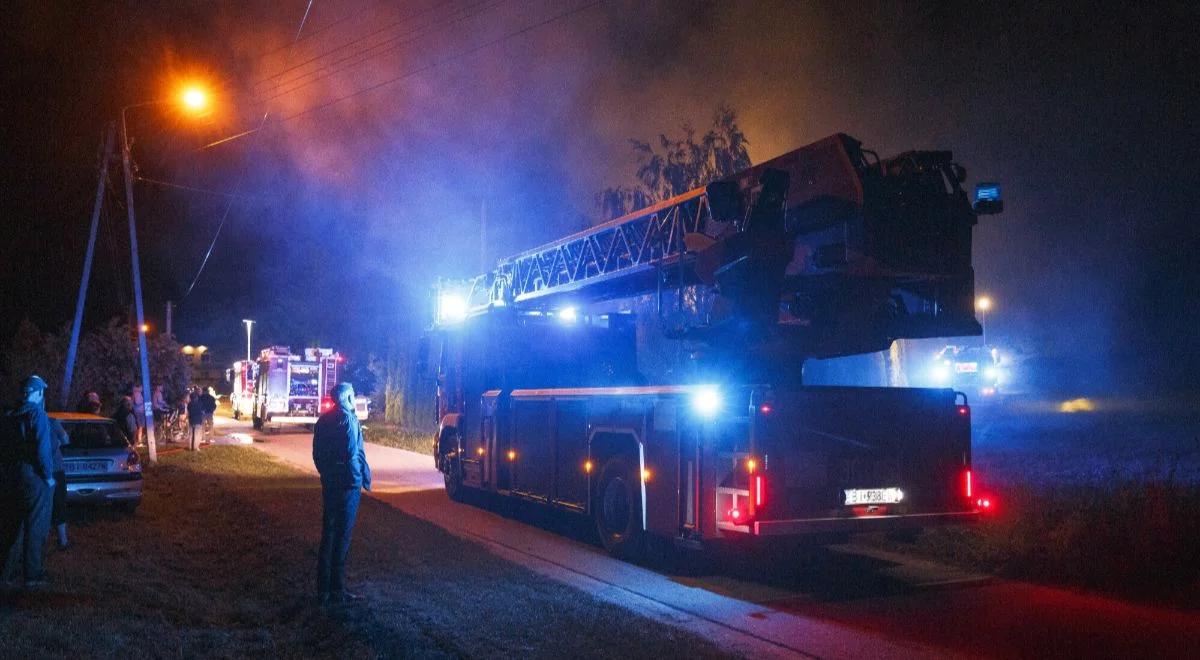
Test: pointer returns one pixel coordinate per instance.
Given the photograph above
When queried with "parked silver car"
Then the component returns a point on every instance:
(100, 465)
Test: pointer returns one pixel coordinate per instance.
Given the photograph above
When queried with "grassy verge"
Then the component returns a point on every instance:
(392, 436)
(1134, 538)
(219, 562)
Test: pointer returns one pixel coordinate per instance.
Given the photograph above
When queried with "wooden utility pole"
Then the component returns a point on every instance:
(77, 324)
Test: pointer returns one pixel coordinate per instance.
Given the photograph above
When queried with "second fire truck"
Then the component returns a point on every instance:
(282, 387)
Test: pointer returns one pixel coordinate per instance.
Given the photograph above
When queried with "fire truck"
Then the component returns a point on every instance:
(289, 388)
(241, 380)
(648, 372)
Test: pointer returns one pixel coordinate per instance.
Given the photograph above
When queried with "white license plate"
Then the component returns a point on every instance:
(873, 496)
(85, 466)
(966, 367)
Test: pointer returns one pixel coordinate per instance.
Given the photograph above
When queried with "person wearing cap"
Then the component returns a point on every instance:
(342, 463)
(28, 469)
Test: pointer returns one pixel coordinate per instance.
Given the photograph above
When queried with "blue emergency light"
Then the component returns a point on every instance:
(987, 199)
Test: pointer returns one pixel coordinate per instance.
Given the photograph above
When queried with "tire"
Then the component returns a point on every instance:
(256, 421)
(453, 477)
(127, 508)
(453, 474)
(618, 509)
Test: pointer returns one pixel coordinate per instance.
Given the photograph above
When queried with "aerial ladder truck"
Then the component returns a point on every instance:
(648, 371)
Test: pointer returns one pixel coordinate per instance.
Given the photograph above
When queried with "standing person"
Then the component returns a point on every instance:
(124, 418)
(195, 412)
(90, 403)
(139, 414)
(209, 398)
(58, 508)
(28, 466)
(342, 463)
(158, 401)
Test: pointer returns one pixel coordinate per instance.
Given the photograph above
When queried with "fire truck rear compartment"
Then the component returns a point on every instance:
(901, 451)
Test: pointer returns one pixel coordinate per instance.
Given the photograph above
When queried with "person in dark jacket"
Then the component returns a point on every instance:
(342, 463)
(90, 403)
(58, 508)
(28, 475)
(195, 411)
(125, 420)
(209, 398)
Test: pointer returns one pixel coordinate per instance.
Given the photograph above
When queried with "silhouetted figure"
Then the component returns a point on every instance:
(28, 485)
(90, 403)
(209, 399)
(340, 459)
(195, 411)
(125, 420)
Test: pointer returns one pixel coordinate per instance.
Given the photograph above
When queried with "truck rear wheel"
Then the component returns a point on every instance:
(618, 509)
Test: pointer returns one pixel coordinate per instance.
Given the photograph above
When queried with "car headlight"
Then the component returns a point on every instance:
(941, 374)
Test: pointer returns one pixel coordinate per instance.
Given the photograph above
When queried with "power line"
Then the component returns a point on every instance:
(352, 42)
(241, 178)
(451, 58)
(418, 70)
(394, 43)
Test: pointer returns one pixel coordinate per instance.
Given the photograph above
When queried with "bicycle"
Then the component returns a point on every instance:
(172, 427)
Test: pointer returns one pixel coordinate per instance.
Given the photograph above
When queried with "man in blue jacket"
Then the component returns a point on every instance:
(28, 484)
(340, 459)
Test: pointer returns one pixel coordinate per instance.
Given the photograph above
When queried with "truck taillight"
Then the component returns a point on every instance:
(758, 491)
(964, 410)
(968, 488)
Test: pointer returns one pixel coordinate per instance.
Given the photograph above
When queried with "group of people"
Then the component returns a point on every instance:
(196, 404)
(200, 405)
(33, 487)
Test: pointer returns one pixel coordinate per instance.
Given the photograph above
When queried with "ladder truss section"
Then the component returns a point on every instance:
(632, 244)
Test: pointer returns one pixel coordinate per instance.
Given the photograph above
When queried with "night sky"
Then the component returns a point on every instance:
(347, 213)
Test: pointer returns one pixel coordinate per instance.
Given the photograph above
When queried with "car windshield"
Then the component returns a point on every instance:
(94, 435)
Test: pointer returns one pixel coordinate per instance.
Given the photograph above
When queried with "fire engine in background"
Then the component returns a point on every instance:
(647, 372)
(241, 380)
(285, 388)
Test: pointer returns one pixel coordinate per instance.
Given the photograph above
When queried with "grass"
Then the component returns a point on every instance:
(219, 562)
(389, 435)
(1104, 501)
(1136, 539)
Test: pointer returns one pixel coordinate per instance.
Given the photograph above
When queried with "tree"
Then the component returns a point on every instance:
(108, 361)
(680, 164)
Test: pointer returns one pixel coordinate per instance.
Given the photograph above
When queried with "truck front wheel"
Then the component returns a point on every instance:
(618, 509)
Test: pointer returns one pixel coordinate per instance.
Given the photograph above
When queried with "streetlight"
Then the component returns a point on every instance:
(982, 305)
(194, 99)
(248, 323)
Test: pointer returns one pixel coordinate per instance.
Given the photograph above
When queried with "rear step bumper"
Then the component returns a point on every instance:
(861, 523)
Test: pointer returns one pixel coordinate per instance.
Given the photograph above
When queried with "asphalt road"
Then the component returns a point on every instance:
(847, 601)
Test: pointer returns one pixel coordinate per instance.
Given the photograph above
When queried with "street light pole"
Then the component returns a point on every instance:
(147, 404)
(248, 323)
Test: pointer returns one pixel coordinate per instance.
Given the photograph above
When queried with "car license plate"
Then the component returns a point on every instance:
(966, 367)
(85, 466)
(873, 496)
